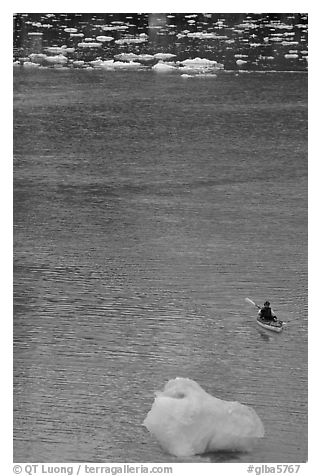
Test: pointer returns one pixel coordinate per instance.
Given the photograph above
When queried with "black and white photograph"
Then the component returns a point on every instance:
(160, 238)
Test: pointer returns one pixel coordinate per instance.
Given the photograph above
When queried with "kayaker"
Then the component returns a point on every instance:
(266, 312)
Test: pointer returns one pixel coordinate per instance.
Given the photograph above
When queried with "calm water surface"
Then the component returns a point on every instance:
(146, 208)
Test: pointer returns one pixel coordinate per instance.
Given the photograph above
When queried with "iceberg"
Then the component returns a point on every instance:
(29, 64)
(199, 65)
(187, 421)
(164, 56)
(162, 67)
(57, 59)
(89, 44)
(130, 65)
(104, 38)
(56, 50)
(199, 61)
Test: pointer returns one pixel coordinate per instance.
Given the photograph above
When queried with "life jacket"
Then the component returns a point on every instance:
(266, 313)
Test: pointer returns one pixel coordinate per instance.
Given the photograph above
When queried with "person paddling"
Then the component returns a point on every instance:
(266, 312)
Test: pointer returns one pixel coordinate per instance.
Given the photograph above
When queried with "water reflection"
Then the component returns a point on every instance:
(264, 335)
(223, 457)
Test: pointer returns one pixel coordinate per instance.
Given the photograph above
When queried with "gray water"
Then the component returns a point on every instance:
(146, 208)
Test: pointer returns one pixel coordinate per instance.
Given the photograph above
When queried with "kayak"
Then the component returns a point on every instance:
(270, 325)
(275, 326)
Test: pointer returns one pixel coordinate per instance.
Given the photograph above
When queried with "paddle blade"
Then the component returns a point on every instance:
(252, 302)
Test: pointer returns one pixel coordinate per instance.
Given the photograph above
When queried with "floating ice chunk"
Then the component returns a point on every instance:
(291, 56)
(70, 30)
(23, 59)
(206, 75)
(187, 421)
(199, 61)
(199, 65)
(104, 38)
(276, 38)
(133, 56)
(96, 63)
(78, 63)
(29, 64)
(126, 57)
(200, 74)
(58, 59)
(164, 56)
(90, 44)
(37, 58)
(161, 67)
(107, 64)
(145, 58)
(109, 28)
(130, 65)
(240, 62)
(192, 69)
(56, 50)
(128, 41)
(204, 36)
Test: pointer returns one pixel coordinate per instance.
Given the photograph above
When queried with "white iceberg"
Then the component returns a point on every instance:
(39, 58)
(145, 58)
(29, 64)
(104, 38)
(291, 56)
(78, 63)
(240, 62)
(89, 44)
(199, 65)
(199, 61)
(128, 41)
(107, 64)
(97, 63)
(202, 35)
(187, 421)
(57, 59)
(57, 50)
(162, 67)
(127, 66)
(70, 30)
(164, 56)
(126, 57)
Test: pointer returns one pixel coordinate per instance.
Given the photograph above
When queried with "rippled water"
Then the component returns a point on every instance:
(146, 208)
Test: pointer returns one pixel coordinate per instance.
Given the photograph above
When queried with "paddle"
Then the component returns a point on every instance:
(252, 302)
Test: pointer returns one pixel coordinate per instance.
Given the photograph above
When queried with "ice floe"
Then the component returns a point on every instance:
(162, 67)
(186, 420)
(106, 36)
